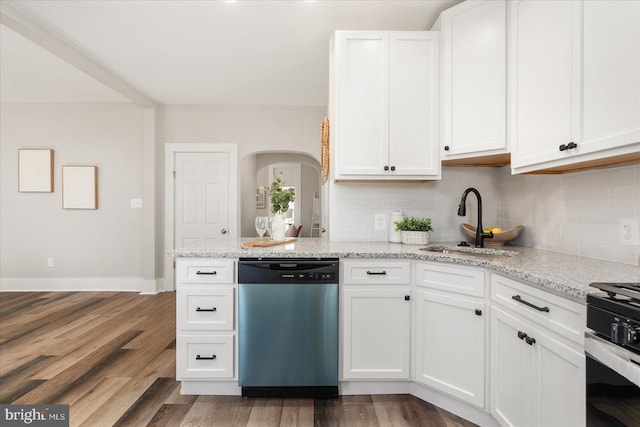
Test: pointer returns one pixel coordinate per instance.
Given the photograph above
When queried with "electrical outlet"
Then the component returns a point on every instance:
(629, 231)
(380, 222)
(51, 262)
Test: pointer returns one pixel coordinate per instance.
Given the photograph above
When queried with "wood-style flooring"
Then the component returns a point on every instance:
(111, 357)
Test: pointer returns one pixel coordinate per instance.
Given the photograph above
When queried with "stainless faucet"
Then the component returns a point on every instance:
(462, 211)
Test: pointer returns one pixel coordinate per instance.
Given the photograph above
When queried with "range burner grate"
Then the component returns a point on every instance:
(629, 290)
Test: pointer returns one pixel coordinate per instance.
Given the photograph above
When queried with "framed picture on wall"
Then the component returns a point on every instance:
(261, 198)
(35, 170)
(79, 187)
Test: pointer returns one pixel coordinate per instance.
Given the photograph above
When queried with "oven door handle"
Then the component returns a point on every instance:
(621, 360)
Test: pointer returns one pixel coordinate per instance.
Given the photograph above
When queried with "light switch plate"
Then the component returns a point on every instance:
(380, 221)
(136, 203)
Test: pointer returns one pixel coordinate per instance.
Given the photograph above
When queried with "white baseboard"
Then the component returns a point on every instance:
(74, 284)
(374, 387)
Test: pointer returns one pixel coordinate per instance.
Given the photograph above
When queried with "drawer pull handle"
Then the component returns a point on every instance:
(206, 309)
(198, 357)
(208, 273)
(377, 273)
(519, 299)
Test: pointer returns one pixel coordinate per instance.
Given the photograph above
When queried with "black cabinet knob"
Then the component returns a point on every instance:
(446, 148)
(386, 168)
(478, 312)
(522, 335)
(530, 340)
(393, 168)
(407, 297)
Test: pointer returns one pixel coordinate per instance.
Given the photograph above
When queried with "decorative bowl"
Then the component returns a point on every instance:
(499, 239)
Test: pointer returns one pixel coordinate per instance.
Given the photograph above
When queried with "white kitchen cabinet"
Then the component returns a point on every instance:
(537, 380)
(450, 339)
(376, 321)
(384, 105)
(205, 319)
(474, 81)
(537, 356)
(575, 91)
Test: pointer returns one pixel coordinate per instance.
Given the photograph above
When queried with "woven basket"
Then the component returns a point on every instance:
(415, 237)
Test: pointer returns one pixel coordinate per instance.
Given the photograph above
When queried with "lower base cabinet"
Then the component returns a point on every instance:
(536, 380)
(450, 345)
(376, 333)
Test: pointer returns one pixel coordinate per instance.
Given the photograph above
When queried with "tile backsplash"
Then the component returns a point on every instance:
(577, 213)
(355, 205)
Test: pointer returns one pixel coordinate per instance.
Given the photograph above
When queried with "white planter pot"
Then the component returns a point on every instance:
(415, 237)
(278, 227)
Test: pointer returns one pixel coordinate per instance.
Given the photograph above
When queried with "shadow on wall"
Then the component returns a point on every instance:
(254, 172)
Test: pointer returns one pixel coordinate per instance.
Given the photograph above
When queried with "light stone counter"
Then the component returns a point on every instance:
(567, 275)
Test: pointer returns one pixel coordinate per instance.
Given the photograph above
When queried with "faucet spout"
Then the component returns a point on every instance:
(462, 211)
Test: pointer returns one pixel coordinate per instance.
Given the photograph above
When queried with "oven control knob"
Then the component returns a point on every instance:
(632, 335)
(624, 333)
(618, 333)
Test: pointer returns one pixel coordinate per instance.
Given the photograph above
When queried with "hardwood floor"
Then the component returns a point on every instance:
(111, 357)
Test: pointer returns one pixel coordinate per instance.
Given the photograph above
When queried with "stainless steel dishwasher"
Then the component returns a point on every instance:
(288, 327)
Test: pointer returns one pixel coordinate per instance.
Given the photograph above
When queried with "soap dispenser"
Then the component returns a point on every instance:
(394, 236)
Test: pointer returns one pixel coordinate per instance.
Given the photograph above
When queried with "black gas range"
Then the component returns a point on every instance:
(612, 352)
(614, 313)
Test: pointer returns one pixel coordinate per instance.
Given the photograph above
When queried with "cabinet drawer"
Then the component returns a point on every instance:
(558, 314)
(461, 280)
(372, 272)
(204, 356)
(205, 271)
(201, 309)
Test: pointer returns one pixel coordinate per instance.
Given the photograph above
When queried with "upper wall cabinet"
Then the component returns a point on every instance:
(383, 105)
(474, 82)
(575, 90)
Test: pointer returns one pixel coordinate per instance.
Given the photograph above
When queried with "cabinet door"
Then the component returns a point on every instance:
(450, 345)
(611, 70)
(413, 103)
(474, 78)
(545, 88)
(376, 336)
(558, 383)
(512, 364)
(362, 102)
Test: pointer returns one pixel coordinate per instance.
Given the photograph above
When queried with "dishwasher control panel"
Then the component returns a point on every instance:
(288, 270)
(310, 276)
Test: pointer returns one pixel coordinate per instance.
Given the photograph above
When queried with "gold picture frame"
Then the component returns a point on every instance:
(35, 170)
(79, 187)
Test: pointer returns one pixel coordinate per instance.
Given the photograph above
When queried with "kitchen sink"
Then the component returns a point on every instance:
(464, 250)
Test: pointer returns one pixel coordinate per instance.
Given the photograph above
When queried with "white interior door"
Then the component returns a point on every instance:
(201, 198)
(201, 203)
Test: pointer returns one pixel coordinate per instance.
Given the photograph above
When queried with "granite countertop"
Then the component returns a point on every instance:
(567, 275)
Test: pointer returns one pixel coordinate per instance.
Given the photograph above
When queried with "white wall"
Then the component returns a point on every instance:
(254, 129)
(92, 249)
(575, 213)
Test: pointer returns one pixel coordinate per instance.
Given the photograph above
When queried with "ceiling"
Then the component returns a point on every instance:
(190, 52)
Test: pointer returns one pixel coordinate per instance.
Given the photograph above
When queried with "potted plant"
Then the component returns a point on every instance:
(414, 231)
(280, 199)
